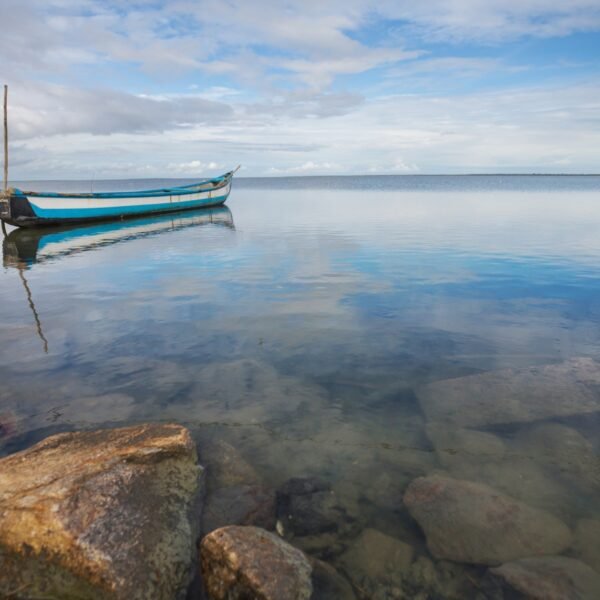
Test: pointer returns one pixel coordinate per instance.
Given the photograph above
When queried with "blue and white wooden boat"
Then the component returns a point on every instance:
(32, 209)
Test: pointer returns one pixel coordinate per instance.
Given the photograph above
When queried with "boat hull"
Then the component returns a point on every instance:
(54, 209)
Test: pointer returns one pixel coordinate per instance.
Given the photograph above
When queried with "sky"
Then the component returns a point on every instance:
(184, 88)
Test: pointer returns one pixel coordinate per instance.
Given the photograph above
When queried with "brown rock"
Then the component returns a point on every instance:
(471, 522)
(239, 505)
(248, 562)
(108, 514)
(514, 395)
(550, 578)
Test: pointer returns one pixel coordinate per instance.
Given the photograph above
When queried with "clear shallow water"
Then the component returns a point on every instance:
(302, 325)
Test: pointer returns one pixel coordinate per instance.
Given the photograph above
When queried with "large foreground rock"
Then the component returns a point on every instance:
(239, 563)
(473, 523)
(108, 514)
(515, 395)
(550, 578)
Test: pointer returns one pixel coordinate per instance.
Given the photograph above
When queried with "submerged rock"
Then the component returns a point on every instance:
(443, 579)
(563, 450)
(376, 559)
(549, 578)
(302, 486)
(457, 446)
(328, 584)
(322, 545)
(94, 410)
(508, 467)
(308, 506)
(160, 379)
(225, 465)
(249, 391)
(514, 395)
(108, 514)
(248, 562)
(239, 505)
(473, 523)
(587, 542)
(526, 480)
(8, 426)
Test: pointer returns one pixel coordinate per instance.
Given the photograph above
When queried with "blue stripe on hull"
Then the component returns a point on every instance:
(117, 211)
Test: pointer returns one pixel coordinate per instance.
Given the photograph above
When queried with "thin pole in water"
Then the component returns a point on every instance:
(38, 323)
(5, 137)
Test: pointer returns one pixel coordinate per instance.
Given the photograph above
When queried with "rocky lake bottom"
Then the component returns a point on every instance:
(401, 380)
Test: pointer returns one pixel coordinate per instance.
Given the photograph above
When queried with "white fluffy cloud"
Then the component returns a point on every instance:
(494, 20)
(171, 87)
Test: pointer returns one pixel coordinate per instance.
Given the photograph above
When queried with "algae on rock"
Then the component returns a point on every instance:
(107, 514)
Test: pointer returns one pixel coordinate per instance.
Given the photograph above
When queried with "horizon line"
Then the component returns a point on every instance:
(533, 174)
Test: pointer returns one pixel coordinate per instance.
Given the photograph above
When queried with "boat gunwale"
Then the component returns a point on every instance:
(217, 182)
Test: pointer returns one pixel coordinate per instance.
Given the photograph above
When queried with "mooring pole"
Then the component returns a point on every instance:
(4, 193)
(5, 137)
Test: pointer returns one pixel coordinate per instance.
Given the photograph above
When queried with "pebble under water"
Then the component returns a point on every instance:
(400, 374)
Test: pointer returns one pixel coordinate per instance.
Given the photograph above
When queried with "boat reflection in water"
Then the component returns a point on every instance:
(22, 248)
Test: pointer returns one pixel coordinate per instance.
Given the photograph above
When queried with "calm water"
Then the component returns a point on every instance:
(307, 325)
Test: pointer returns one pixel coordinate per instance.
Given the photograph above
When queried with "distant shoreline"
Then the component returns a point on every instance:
(240, 177)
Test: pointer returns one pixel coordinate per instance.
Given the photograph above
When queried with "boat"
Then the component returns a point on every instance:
(33, 209)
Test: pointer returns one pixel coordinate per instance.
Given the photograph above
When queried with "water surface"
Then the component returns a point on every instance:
(301, 325)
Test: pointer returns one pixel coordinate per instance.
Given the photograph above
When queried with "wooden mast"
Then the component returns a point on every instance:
(4, 194)
(5, 138)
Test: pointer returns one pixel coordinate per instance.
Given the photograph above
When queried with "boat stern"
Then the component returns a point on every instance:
(15, 209)
(4, 206)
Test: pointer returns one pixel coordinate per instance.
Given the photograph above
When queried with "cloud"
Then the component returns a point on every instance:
(307, 168)
(398, 166)
(194, 167)
(457, 66)
(264, 41)
(309, 42)
(46, 109)
(515, 130)
(320, 73)
(304, 103)
(491, 21)
(340, 86)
